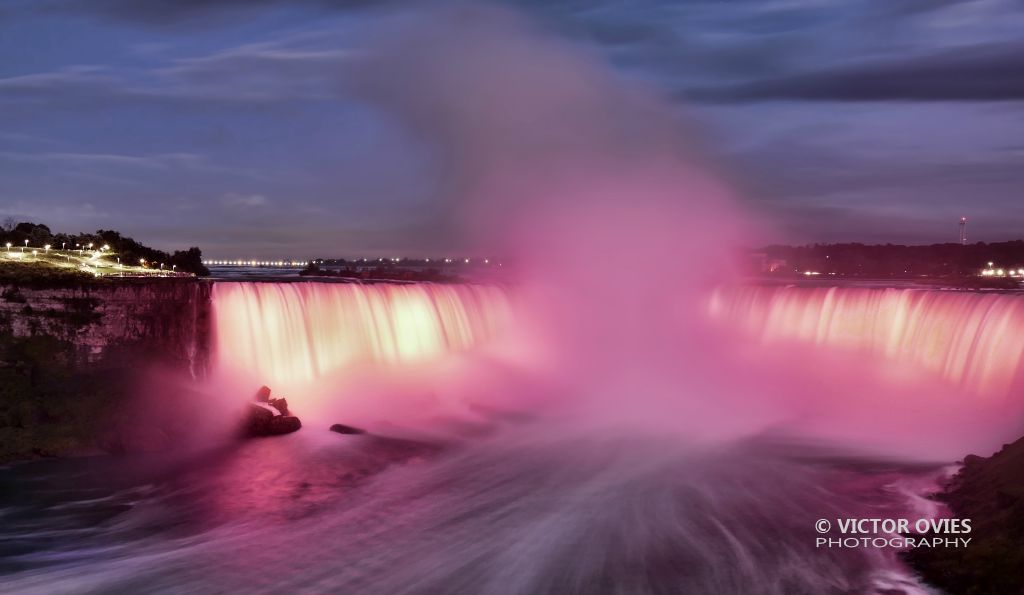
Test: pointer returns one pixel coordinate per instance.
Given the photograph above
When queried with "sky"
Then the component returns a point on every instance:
(229, 124)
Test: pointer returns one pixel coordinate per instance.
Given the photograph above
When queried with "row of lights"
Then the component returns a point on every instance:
(46, 247)
(254, 263)
(293, 263)
(82, 248)
(992, 271)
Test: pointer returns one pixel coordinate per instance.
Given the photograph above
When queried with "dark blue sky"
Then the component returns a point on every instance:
(229, 124)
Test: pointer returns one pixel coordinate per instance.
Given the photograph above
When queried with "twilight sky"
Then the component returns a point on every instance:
(228, 123)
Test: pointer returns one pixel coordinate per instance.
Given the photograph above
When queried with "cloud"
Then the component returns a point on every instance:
(171, 12)
(70, 79)
(277, 71)
(977, 73)
(232, 199)
(809, 98)
(267, 71)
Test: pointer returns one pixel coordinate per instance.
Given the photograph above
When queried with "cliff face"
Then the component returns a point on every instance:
(76, 358)
(167, 318)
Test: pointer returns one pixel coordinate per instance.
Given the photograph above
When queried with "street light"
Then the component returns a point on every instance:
(8, 246)
(47, 248)
(26, 246)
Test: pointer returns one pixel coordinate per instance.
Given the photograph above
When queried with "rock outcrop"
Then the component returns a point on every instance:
(268, 416)
(343, 429)
(166, 319)
(990, 492)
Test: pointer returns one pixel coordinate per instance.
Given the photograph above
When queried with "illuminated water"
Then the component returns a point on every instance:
(521, 513)
(284, 333)
(971, 339)
(529, 502)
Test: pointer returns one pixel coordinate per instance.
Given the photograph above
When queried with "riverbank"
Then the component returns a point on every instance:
(989, 492)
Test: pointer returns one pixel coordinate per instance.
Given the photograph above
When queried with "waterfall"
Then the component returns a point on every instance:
(972, 339)
(295, 332)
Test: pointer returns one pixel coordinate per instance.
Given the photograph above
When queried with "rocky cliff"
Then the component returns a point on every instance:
(168, 318)
(75, 356)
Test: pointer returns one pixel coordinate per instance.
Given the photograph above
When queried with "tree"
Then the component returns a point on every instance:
(190, 261)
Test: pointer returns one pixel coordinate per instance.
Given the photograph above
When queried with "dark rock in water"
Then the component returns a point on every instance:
(263, 394)
(262, 421)
(343, 429)
(280, 404)
(256, 420)
(989, 492)
(284, 424)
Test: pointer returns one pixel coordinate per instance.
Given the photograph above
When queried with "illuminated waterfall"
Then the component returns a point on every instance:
(973, 339)
(293, 332)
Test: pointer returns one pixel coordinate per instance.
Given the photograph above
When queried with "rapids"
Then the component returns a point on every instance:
(520, 513)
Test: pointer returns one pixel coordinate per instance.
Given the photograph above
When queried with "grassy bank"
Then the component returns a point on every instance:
(54, 268)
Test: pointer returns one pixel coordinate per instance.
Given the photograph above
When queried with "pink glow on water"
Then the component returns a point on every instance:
(294, 333)
(972, 340)
(619, 234)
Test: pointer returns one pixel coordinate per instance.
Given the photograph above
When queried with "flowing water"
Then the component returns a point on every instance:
(527, 513)
(525, 503)
(288, 332)
(970, 339)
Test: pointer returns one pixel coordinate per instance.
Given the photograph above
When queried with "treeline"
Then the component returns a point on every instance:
(127, 249)
(387, 272)
(894, 260)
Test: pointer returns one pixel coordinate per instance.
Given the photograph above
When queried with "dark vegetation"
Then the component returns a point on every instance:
(894, 261)
(384, 272)
(55, 402)
(990, 492)
(129, 250)
(49, 403)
